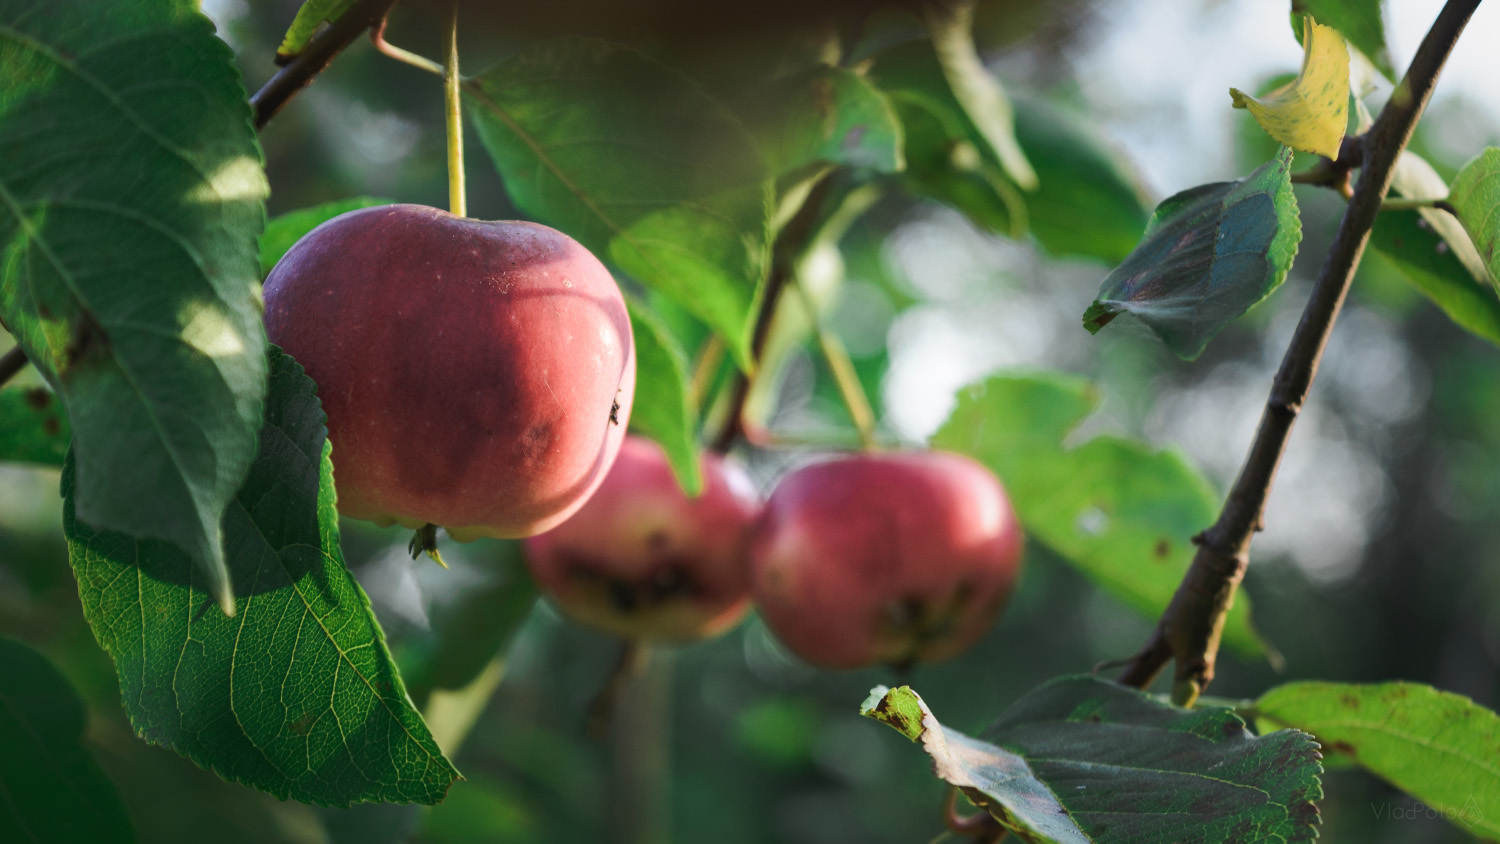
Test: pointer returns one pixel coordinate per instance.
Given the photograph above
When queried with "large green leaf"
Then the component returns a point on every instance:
(663, 409)
(1080, 760)
(296, 695)
(1088, 201)
(1360, 21)
(131, 195)
(33, 428)
(1208, 255)
(640, 165)
(1475, 197)
(1439, 747)
(284, 230)
(1121, 513)
(51, 790)
(1430, 249)
(826, 114)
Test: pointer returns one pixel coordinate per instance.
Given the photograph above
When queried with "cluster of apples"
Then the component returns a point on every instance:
(479, 376)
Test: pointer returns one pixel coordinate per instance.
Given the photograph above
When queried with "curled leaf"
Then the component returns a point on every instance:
(1311, 112)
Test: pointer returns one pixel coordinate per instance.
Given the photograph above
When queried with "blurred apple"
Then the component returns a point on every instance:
(890, 559)
(643, 560)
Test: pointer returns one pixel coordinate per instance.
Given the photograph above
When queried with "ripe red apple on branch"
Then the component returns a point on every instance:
(643, 560)
(892, 558)
(476, 375)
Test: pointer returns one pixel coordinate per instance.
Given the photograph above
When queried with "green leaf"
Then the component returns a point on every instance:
(33, 427)
(312, 16)
(663, 408)
(53, 790)
(977, 92)
(1209, 254)
(1360, 21)
(1311, 112)
(951, 171)
(1475, 197)
(131, 195)
(1082, 760)
(1121, 513)
(1088, 201)
(638, 164)
(284, 230)
(827, 114)
(474, 628)
(1439, 747)
(297, 695)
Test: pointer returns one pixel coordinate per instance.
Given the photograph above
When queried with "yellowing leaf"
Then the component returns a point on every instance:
(1312, 111)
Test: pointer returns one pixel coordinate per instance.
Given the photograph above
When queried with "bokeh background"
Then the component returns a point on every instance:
(1381, 557)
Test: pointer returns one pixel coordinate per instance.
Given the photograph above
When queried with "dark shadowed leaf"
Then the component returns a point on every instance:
(33, 427)
(1439, 747)
(1080, 759)
(1121, 513)
(472, 628)
(1360, 21)
(131, 195)
(827, 114)
(1087, 201)
(1208, 255)
(663, 409)
(284, 230)
(296, 695)
(638, 164)
(1476, 198)
(950, 170)
(53, 791)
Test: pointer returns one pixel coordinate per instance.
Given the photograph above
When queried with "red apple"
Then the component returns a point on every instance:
(642, 559)
(884, 558)
(476, 375)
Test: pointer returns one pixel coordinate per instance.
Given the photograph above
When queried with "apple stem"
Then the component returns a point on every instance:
(456, 201)
(842, 367)
(710, 355)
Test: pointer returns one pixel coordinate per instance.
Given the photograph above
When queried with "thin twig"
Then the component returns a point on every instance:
(789, 245)
(12, 363)
(315, 59)
(1188, 632)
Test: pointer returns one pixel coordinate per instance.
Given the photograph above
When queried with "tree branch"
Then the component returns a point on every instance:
(310, 62)
(789, 243)
(11, 363)
(1188, 632)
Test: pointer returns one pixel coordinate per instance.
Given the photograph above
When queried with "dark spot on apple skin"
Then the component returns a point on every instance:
(614, 413)
(669, 582)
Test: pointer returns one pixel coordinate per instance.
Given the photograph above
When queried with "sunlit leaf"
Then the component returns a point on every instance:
(1208, 255)
(1081, 760)
(296, 695)
(1360, 21)
(1430, 248)
(310, 18)
(1439, 747)
(638, 164)
(1475, 196)
(131, 195)
(33, 427)
(51, 789)
(1310, 113)
(284, 230)
(663, 409)
(977, 91)
(1120, 512)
